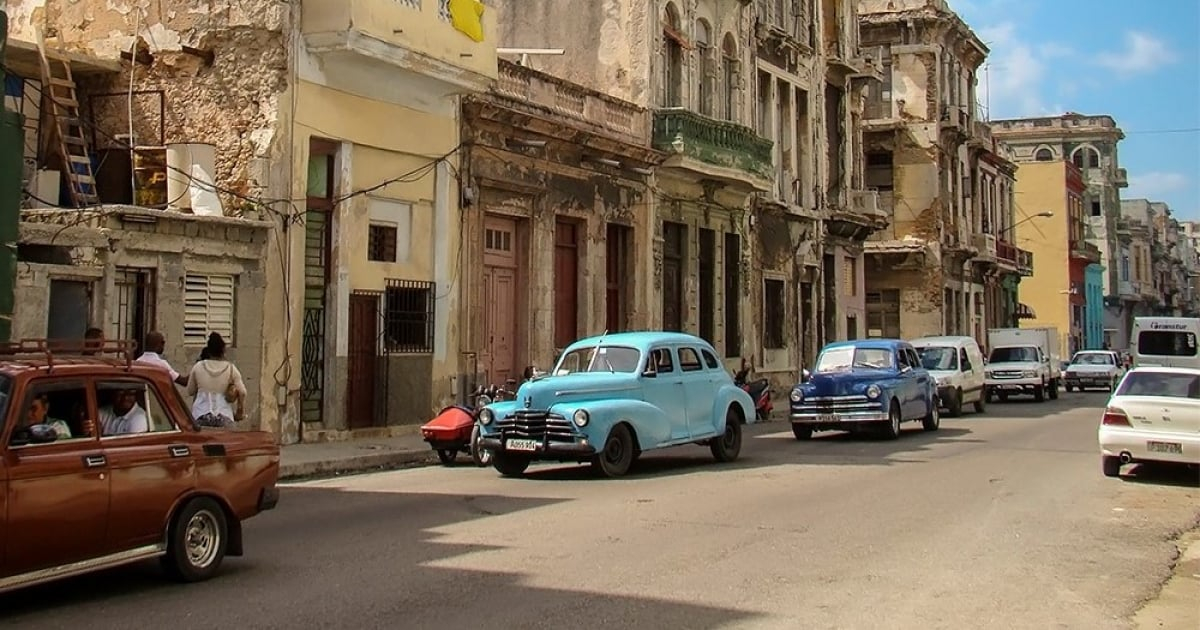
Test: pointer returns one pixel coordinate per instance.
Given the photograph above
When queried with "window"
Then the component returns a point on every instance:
(883, 313)
(381, 243)
(1044, 155)
(965, 360)
(70, 308)
(672, 59)
(54, 404)
(133, 316)
(608, 359)
(729, 77)
(704, 55)
(1166, 343)
(1096, 210)
(208, 306)
(773, 313)
(408, 316)
(710, 360)
(689, 360)
(1160, 384)
(130, 406)
(660, 361)
(850, 271)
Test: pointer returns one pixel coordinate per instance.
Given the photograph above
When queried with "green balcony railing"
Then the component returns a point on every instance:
(715, 142)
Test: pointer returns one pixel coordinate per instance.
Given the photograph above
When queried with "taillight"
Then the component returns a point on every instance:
(1115, 417)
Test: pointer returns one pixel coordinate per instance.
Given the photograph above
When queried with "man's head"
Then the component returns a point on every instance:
(38, 408)
(156, 342)
(124, 400)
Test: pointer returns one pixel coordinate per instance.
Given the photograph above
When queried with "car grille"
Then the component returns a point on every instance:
(835, 404)
(528, 424)
(1006, 374)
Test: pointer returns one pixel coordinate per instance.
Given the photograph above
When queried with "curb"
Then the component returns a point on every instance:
(374, 462)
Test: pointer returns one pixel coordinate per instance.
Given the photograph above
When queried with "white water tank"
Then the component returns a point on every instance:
(181, 158)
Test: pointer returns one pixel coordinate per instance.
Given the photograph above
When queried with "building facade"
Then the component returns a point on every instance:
(942, 180)
(1090, 143)
(337, 128)
(558, 233)
(1055, 230)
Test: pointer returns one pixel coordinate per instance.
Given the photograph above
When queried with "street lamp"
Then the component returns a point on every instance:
(1041, 215)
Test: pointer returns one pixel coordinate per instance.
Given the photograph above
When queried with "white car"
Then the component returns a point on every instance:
(1154, 416)
(1093, 368)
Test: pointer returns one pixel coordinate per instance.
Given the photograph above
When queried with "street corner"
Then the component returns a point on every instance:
(1177, 605)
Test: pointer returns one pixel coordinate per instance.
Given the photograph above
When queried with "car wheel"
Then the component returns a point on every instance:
(802, 432)
(447, 455)
(727, 447)
(891, 430)
(196, 541)
(933, 419)
(954, 405)
(1110, 465)
(1039, 393)
(481, 457)
(1071, 389)
(1054, 390)
(510, 465)
(617, 456)
(981, 404)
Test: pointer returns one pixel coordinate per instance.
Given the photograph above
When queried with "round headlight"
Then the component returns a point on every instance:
(873, 391)
(486, 416)
(483, 400)
(580, 418)
(797, 395)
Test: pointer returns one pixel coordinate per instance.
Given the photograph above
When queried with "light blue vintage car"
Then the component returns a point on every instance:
(867, 384)
(612, 397)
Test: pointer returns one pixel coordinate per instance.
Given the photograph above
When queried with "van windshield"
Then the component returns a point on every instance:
(1023, 354)
(1167, 343)
(939, 358)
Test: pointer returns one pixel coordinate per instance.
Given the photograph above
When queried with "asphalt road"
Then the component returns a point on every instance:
(996, 521)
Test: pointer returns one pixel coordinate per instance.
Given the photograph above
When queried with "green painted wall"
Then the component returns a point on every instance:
(12, 139)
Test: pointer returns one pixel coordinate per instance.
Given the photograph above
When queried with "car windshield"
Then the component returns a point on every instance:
(938, 358)
(1163, 384)
(606, 359)
(841, 359)
(1092, 358)
(1014, 355)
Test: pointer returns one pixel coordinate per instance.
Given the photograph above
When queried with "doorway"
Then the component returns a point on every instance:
(500, 258)
(618, 275)
(566, 283)
(362, 359)
(674, 242)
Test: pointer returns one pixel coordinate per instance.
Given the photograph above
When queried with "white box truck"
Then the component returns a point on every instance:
(1022, 361)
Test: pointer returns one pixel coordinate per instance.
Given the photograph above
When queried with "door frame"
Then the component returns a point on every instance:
(521, 297)
(372, 379)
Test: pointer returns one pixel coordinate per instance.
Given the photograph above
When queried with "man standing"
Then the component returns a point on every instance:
(156, 343)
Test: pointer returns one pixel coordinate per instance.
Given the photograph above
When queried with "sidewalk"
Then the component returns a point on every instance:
(327, 459)
(1177, 605)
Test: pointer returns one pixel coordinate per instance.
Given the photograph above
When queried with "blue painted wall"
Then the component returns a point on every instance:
(1093, 315)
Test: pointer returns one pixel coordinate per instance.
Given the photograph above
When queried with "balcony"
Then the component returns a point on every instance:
(364, 42)
(985, 244)
(1085, 251)
(1122, 178)
(588, 107)
(1013, 257)
(863, 218)
(1024, 262)
(715, 149)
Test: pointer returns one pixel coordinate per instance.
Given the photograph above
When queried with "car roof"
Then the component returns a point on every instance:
(642, 339)
(944, 339)
(1166, 370)
(78, 366)
(883, 344)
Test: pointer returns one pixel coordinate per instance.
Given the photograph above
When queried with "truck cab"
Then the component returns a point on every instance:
(1022, 361)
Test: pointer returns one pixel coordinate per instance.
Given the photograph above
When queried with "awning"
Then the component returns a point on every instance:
(1024, 312)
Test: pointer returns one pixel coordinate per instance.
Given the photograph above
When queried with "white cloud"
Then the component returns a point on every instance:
(1011, 83)
(1155, 185)
(1143, 53)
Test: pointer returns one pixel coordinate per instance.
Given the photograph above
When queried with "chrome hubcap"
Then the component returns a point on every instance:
(614, 451)
(202, 539)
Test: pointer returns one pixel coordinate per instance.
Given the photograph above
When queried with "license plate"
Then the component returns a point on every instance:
(827, 417)
(1173, 448)
(522, 445)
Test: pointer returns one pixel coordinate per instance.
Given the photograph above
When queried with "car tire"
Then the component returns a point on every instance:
(1039, 393)
(891, 429)
(933, 420)
(981, 404)
(802, 432)
(510, 465)
(196, 541)
(481, 457)
(1110, 465)
(617, 456)
(954, 405)
(1071, 389)
(727, 446)
(447, 456)
(1053, 390)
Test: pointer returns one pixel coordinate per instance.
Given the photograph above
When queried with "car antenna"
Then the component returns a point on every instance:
(596, 351)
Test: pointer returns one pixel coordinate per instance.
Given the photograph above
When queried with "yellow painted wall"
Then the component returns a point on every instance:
(1042, 186)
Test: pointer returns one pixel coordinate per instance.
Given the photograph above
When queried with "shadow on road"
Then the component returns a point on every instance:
(328, 557)
(1164, 475)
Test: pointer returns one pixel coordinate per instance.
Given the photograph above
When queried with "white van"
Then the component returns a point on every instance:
(1165, 341)
(957, 364)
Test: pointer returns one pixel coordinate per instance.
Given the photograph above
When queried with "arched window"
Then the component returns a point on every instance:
(1086, 157)
(1044, 155)
(672, 59)
(729, 77)
(704, 55)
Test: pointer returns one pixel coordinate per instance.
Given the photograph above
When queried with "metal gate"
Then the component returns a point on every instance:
(368, 369)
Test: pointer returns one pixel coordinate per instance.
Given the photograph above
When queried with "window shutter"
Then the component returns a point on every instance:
(208, 306)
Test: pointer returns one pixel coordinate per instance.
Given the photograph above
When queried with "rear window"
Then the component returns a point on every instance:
(1167, 343)
(1165, 384)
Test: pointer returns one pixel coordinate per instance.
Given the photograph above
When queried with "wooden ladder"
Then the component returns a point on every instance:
(70, 139)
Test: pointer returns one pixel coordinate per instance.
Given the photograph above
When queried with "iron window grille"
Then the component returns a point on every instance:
(408, 316)
(381, 243)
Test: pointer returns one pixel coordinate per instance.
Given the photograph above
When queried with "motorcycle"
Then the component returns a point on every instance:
(759, 390)
(456, 428)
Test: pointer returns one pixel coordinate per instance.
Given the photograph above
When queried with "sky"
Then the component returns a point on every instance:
(1138, 62)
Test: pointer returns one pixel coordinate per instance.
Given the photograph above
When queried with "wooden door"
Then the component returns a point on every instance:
(500, 298)
(617, 275)
(566, 283)
(362, 358)
(672, 281)
(707, 289)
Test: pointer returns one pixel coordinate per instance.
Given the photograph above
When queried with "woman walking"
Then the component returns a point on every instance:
(216, 387)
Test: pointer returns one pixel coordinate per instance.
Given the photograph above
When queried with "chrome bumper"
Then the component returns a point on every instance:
(849, 417)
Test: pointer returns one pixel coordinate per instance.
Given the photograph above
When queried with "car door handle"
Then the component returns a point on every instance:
(94, 461)
(179, 451)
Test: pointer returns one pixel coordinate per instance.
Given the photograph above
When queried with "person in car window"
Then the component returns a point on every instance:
(39, 413)
(124, 415)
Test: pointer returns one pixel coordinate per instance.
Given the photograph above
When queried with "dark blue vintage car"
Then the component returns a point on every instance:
(868, 384)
